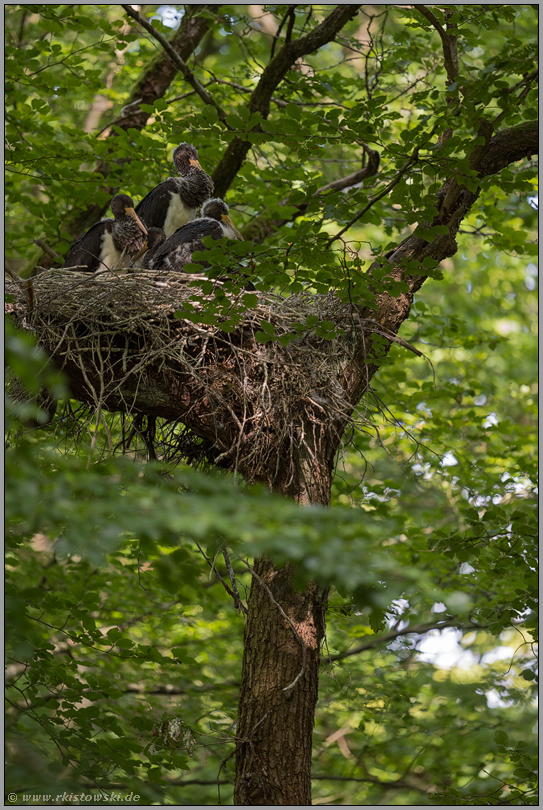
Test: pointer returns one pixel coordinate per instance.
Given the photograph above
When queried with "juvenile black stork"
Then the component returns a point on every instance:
(155, 239)
(173, 203)
(178, 249)
(110, 243)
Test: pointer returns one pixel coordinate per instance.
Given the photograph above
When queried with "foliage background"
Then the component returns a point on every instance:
(115, 627)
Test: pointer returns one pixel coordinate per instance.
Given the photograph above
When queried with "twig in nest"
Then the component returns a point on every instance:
(13, 276)
(30, 295)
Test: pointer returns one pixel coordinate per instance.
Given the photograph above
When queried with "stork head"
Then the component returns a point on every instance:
(218, 209)
(122, 205)
(185, 158)
(215, 208)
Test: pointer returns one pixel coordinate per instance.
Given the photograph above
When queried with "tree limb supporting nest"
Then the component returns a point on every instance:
(259, 408)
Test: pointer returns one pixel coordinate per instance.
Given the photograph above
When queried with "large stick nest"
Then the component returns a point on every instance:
(125, 347)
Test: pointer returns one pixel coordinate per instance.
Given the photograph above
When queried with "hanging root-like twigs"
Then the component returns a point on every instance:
(138, 344)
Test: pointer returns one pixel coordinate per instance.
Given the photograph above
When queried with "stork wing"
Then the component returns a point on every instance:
(197, 229)
(153, 209)
(86, 251)
(178, 249)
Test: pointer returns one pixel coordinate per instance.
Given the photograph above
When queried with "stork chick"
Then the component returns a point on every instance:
(110, 243)
(178, 249)
(173, 203)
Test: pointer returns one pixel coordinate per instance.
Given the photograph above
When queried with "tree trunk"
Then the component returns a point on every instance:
(281, 656)
(279, 690)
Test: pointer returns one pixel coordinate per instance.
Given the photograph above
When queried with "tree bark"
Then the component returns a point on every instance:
(281, 655)
(279, 690)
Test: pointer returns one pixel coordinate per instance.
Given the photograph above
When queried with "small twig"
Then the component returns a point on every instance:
(277, 33)
(238, 604)
(214, 570)
(49, 250)
(178, 60)
(391, 336)
(139, 574)
(416, 630)
(525, 83)
(93, 440)
(125, 115)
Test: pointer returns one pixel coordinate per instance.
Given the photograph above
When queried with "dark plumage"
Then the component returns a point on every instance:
(155, 238)
(110, 243)
(178, 249)
(173, 203)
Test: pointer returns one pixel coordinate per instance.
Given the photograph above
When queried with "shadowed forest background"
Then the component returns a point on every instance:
(382, 157)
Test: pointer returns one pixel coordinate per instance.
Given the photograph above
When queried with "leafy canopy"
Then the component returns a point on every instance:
(123, 654)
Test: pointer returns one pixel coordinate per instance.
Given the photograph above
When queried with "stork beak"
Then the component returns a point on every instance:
(195, 163)
(226, 218)
(132, 213)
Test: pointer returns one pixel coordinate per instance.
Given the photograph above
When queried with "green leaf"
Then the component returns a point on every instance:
(501, 738)
(210, 114)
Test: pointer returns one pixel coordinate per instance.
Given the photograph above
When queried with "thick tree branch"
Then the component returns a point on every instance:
(508, 146)
(503, 149)
(450, 52)
(273, 74)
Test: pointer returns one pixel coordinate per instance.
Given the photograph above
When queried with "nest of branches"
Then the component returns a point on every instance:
(138, 344)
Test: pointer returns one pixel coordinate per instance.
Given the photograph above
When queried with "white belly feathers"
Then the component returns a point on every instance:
(109, 255)
(178, 215)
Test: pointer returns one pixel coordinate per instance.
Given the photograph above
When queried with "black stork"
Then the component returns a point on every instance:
(178, 249)
(110, 243)
(173, 203)
(155, 239)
